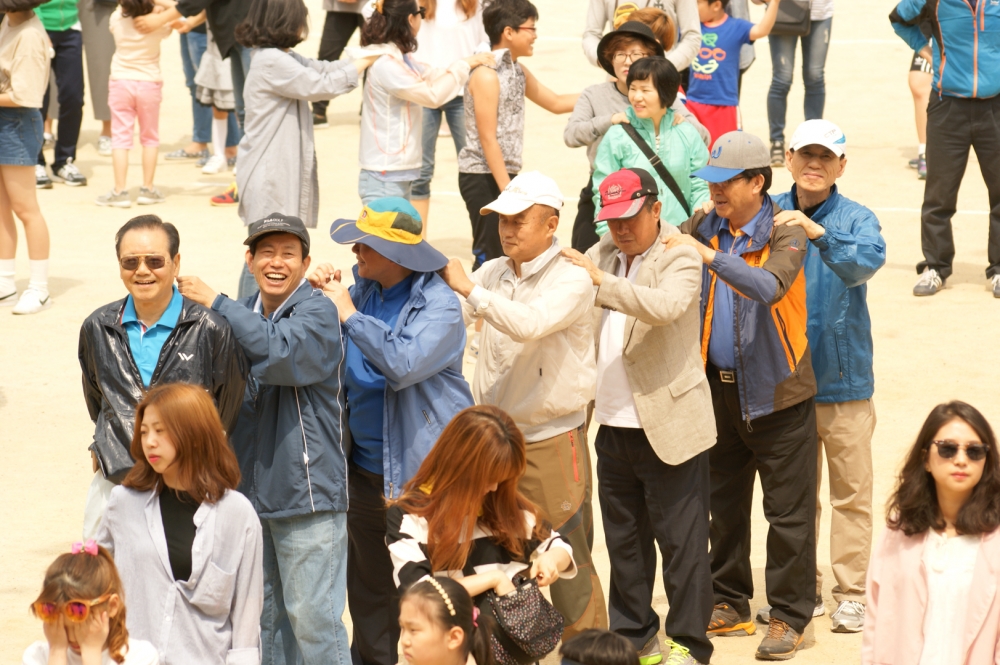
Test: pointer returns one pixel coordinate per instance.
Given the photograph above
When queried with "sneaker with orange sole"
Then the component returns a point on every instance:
(230, 197)
(726, 622)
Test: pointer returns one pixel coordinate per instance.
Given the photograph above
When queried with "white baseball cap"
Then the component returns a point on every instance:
(524, 191)
(819, 132)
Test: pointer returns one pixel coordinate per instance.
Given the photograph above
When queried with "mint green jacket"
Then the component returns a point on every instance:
(682, 151)
(58, 15)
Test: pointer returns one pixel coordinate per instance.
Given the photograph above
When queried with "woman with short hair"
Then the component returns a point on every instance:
(932, 582)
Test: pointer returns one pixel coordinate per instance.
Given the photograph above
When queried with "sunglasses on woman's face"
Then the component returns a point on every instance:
(152, 261)
(75, 611)
(422, 11)
(976, 452)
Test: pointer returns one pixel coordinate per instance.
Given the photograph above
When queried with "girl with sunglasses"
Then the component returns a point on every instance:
(932, 585)
(82, 608)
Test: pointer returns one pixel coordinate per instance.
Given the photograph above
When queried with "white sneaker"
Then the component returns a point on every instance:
(104, 145)
(8, 299)
(848, 618)
(32, 301)
(215, 164)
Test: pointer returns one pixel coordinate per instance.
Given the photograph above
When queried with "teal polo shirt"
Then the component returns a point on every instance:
(146, 343)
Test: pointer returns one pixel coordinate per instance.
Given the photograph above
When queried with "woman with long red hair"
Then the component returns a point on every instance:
(461, 516)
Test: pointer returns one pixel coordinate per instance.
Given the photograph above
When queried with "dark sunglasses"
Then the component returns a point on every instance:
(152, 261)
(976, 452)
(422, 11)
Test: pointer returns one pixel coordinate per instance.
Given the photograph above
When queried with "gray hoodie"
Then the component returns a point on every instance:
(600, 13)
(591, 118)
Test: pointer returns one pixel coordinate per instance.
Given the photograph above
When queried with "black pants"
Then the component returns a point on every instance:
(67, 67)
(584, 236)
(371, 593)
(953, 126)
(646, 501)
(478, 190)
(781, 447)
(337, 31)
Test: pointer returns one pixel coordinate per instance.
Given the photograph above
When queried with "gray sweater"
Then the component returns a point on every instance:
(600, 13)
(591, 118)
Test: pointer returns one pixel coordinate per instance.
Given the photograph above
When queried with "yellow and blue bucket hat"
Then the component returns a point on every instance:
(391, 226)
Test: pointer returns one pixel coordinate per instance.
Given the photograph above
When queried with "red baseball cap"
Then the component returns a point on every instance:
(624, 192)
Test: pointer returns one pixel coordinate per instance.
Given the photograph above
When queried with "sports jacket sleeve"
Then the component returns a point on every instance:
(91, 388)
(229, 377)
(854, 256)
(431, 89)
(787, 253)
(678, 286)
(296, 350)
(905, 24)
(297, 77)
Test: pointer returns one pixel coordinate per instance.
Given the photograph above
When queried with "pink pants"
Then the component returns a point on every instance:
(130, 100)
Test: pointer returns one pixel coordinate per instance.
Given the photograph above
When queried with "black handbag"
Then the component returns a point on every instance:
(793, 19)
(658, 166)
(528, 627)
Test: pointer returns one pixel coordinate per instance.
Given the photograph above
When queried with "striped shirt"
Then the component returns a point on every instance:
(820, 10)
(406, 536)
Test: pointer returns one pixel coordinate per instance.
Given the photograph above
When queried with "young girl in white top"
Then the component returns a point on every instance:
(439, 625)
(134, 93)
(82, 607)
(187, 544)
(933, 594)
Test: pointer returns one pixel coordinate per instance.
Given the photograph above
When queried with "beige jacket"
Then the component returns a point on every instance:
(662, 353)
(536, 349)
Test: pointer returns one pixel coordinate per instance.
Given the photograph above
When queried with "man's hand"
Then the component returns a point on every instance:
(148, 23)
(798, 218)
(341, 297)
(578, 259)
(181, 26)
(454, 276)
(194, 289)
(681, 239)
(322, 275)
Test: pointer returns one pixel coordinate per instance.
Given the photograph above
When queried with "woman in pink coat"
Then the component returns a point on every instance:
(933, 579)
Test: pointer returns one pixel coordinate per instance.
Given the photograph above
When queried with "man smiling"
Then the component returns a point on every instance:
(289, 442)
(151, 337)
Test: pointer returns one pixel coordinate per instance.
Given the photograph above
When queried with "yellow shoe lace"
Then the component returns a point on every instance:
(678, 653)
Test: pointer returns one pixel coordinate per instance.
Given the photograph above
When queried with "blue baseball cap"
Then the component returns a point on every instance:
(732, 154)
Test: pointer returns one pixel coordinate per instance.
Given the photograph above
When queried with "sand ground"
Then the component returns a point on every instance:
(926, 350)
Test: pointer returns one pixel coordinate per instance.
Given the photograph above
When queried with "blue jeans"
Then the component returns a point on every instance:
(193, 45)
(305, 590)
(814, 48)
(371, 188)
(454, 112)
(240, 68)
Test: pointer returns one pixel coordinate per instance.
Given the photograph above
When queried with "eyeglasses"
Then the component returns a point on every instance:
(75, 611)
(635, 55)
(525, 27)
(976, 452)
(152, 261)
(422, 11)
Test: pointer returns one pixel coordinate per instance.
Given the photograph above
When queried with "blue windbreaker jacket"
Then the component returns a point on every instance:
(966, 44)
(421, 359)
(837, 266)
(288, 436)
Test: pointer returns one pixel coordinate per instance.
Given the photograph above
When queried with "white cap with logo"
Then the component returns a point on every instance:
(524, 191)
(819, 132)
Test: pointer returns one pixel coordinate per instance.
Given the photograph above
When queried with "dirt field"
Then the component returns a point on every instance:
(926, 350)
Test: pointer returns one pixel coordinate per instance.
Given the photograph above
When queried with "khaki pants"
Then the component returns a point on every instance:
(845, 430)
(558, 480)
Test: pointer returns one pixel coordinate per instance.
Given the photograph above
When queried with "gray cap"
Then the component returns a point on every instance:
(732, 154)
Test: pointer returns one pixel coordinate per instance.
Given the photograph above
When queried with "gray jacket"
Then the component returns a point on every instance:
(591, 118)
(340, 6)
(277, 155)
(601, 13)
(662, 354)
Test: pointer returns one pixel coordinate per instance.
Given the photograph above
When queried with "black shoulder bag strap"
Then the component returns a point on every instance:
(658, 166)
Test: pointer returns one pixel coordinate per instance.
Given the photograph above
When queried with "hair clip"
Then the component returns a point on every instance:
(444, 595)
(475, 616)
(90, 547)
(379, 5)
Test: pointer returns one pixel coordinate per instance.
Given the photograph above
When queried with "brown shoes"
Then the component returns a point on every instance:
(781, 642)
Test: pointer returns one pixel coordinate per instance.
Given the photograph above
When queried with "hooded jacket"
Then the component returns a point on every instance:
(773, 364)
(201, 349)
(838, 266)
(421, 359)
(288, 437)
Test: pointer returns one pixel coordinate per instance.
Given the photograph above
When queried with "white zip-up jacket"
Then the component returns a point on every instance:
(395, 92)
(536, 348)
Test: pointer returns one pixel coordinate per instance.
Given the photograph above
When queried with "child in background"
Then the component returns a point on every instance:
(599, 647)
(494, 119)
(439, 625)
(713, 89)
(214, 81)
(134, 92)
(82, 608)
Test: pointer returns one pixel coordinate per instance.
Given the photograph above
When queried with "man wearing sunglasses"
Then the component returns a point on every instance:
(152, 336)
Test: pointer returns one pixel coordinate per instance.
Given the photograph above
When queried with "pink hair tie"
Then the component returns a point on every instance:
(475, 616)
(90, 547)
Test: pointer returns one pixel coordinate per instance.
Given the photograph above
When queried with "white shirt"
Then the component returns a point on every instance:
(451, 36)
(950, 563)
(615, 405)
(820, 10)
(139, 653)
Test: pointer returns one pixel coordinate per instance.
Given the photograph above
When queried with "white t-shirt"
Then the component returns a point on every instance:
(820, 10)
(139, 653)
(950, 563)
(450, 35)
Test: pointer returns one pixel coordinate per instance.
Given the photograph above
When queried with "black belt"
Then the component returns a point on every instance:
(725, 375)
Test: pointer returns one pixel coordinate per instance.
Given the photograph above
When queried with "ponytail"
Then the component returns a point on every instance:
(449, 605)
(390, 23)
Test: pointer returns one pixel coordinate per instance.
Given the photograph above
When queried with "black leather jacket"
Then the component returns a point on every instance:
(200, 350)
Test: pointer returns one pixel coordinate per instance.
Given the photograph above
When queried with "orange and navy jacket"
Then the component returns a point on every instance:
(774, 369)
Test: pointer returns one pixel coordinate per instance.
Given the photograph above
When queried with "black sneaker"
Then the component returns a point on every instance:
(777, 153)
(320, 121)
